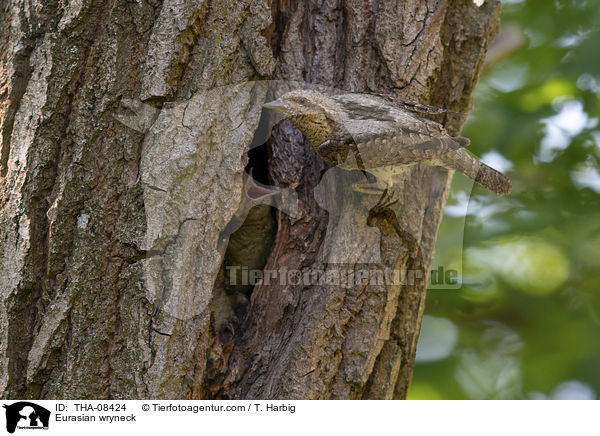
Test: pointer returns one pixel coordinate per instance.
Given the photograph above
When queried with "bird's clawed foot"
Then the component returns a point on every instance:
(387, 199)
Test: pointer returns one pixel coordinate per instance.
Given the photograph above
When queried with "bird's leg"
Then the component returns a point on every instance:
(369, 188)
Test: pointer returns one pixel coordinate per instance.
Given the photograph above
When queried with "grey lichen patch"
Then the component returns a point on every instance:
(173, 34)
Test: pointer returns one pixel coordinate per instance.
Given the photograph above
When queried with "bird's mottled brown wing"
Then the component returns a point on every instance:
(398, 146)
(382, 100)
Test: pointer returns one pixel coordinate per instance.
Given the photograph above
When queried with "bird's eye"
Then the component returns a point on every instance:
(303, 100)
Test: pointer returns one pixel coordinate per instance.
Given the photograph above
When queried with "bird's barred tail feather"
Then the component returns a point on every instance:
(493, 180)
(486, 176)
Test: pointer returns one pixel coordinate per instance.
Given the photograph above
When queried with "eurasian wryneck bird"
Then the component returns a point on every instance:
(371, 133)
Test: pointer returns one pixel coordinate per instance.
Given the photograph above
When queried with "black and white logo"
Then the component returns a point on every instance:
(26, 415)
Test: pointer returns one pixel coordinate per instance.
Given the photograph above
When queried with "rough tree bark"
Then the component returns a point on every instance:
(111, 243)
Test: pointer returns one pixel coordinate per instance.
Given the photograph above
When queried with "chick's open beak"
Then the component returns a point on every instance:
(275, 105)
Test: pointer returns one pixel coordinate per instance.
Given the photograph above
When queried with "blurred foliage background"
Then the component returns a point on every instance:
(526, 321)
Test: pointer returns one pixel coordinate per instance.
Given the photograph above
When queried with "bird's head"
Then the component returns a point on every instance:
(313, 113)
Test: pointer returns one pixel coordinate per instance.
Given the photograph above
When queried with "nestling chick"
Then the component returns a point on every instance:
(367, 132)
(250, 234)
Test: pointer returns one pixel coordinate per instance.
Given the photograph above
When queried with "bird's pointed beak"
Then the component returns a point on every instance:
(275, 105)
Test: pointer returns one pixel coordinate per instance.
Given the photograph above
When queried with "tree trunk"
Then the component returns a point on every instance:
(126, 128)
